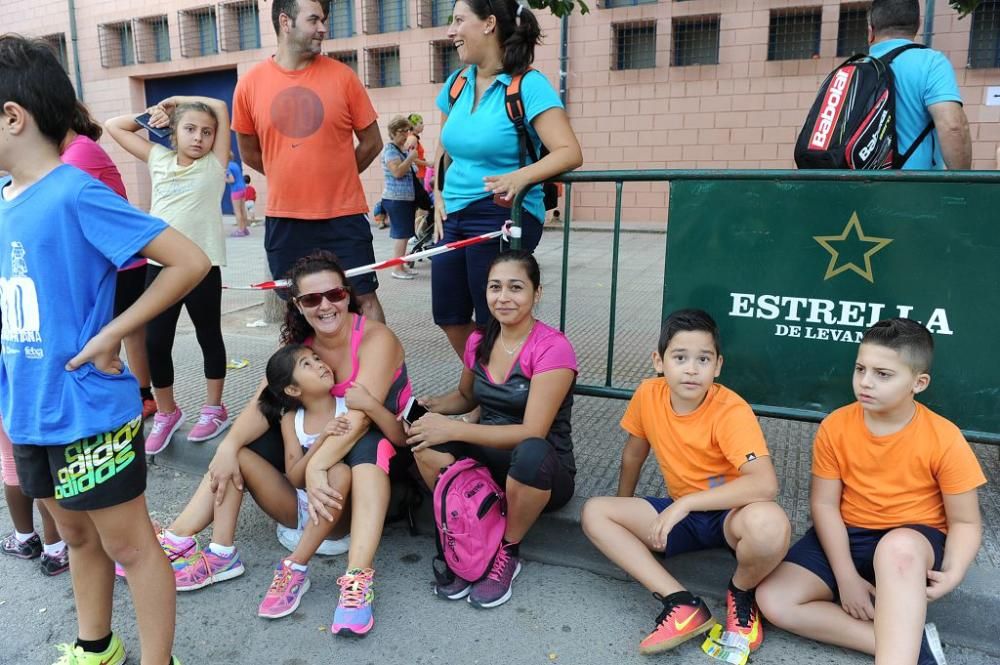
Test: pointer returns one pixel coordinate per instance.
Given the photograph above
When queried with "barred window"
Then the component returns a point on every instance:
(433, 13)
(383, 67)
(634, 45)
(611, 4)
(696, 41)
(240, 26)
(794, 34)
(152, 39)
(349, 58)
(384, 16)
(445, 60)
(984, 36)
(340, 21)
(852, 30)
(57, 43)
(199, 32)
(117, 44)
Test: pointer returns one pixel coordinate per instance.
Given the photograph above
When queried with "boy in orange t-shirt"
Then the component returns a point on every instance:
(894, 508)
(719, 478)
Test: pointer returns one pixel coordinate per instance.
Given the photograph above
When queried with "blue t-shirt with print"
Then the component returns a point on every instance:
(483, 142)
(923, 77)
(395, 189)
(236, 171)
(61, 242)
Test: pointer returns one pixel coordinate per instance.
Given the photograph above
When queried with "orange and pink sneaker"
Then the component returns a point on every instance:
(176, 549)
(684, 616)
(743, 616)
(354, 616)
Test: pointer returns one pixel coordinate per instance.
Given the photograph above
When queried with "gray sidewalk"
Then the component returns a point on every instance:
(597, 438)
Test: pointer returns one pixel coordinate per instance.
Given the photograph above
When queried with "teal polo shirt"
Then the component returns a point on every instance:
(484, 142)
(923, 77)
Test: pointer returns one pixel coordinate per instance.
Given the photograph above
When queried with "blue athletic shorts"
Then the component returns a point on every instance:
(701, 530)
(287, 240)
(401, 218)
(458, 278)
(808, 552)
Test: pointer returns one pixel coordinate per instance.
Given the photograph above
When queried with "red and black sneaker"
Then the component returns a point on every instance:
(684, 616)
(743, 616)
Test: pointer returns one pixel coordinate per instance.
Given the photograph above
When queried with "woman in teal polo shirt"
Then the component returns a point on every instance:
(496, 39)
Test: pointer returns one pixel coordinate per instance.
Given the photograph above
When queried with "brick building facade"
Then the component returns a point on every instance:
(667, 84)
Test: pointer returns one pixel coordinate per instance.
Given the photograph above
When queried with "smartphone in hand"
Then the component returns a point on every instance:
(158, 132)
(413, 412)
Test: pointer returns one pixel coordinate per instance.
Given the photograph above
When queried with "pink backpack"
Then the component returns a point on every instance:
(470, 512)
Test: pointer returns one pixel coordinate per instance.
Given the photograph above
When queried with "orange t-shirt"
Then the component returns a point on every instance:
(897, 479)
(701, 449)
(305, 121)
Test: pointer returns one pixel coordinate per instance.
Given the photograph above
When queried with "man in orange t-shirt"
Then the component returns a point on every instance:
(894, 508)
(719, 478)
(296, 116)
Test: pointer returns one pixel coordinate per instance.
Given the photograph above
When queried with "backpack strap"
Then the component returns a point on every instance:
(887, 60)
(457, 86)
(514, 105)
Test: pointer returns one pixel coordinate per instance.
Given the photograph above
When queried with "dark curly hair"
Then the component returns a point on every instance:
(296, 329)
(273, 401)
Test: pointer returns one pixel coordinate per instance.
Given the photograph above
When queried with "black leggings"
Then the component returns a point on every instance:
(204, 306)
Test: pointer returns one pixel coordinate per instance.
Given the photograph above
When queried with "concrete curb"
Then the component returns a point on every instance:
(962, 617)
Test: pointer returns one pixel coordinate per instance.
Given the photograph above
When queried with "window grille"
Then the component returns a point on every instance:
(117, 44)
(852, 30)
(382, 67)
(984, 36)
(696, 41)
(634, 45)
(199, 32)
(444, 59)
(794, 34)
(152, 39)
(239, 27)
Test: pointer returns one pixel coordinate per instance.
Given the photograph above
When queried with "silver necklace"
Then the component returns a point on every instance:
(511, 352)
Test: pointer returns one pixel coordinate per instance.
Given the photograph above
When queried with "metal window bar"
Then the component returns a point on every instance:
(634, 45)
(389, 15)
(57, 43)
(696, 41)
(440, 12)
(349, 58)
(984, 35)
(199, 32)
(239, 25)
(852, 30)
(794, 34)
(444, 59)
(382, 70)
(609, 389)
(340, 20)
(116, 44)
(611, 4)
(152, 39)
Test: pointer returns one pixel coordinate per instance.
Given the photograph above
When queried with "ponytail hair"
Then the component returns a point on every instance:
(491, 331)
(273, 401)
(517, 30)
(84, 124)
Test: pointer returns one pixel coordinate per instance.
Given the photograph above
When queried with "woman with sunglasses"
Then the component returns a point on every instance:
(482, 161)
(322, 314)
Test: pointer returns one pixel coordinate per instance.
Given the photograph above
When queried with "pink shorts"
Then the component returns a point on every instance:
(238, 196)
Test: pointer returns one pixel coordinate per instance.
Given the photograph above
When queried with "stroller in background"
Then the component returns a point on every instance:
(423, 237)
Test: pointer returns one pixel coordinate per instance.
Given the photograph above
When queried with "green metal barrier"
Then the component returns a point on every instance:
(794, 265)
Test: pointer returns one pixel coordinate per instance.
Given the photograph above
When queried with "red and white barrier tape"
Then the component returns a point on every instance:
(507, 232)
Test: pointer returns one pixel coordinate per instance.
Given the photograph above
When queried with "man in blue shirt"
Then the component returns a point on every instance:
(926, 90)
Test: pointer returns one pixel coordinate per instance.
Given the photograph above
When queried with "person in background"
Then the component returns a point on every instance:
(398, 159)
(250, 200)
(237, 194)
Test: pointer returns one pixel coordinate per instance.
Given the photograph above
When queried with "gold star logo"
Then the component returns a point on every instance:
(873, 246)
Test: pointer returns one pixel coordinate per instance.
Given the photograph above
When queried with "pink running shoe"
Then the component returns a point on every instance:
(354, 616)
(211, 422)
(164, 426)
(285, 593)
(206, 567)
(176, 551)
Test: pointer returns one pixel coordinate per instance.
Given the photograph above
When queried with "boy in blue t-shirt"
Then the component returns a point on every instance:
(70, 407)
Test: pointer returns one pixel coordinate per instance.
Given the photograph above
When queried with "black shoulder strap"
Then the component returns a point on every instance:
(515, 111)
(457, 86)
(887, 60)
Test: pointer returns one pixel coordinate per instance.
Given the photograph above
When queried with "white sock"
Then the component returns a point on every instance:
(55, 549)
(222, 550)
(23, 537)
(175, 539)
(296, 566)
